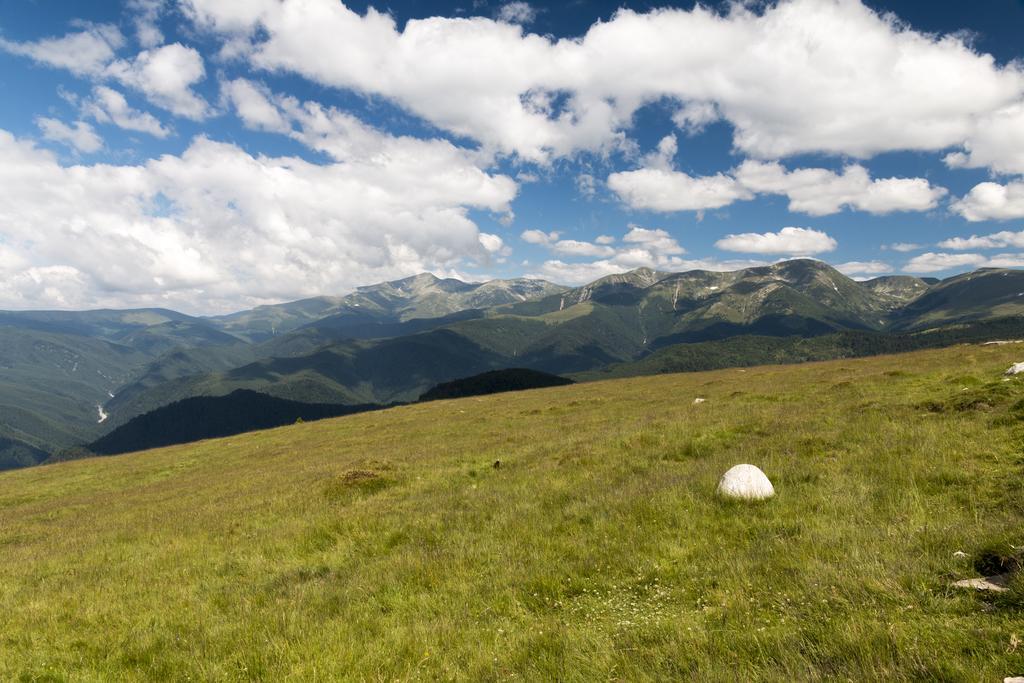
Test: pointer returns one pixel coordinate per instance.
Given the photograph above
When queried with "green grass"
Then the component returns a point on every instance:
(387, 546)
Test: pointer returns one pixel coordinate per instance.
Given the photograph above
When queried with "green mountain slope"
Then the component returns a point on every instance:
(617, 319)
(392, 341)
(52, 386)
(987, 293)
(388, 545)
(420, 296)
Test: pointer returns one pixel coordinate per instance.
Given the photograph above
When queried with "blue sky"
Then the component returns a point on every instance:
(210, 156)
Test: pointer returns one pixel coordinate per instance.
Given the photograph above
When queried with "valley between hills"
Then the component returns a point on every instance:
(69, 379)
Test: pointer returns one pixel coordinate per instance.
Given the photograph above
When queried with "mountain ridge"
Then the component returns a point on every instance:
(394, 340)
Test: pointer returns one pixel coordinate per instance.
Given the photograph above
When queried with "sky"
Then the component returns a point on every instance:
(214, 155)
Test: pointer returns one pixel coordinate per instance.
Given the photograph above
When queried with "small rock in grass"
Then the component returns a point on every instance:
(698, 400)
(745, 482)
(1014, 679)
(996, 584)
(959, 554)
(1015, 369)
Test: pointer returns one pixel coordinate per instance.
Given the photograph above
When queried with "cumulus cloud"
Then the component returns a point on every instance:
(657, 241)
(931, 262)
(79, 136)
(84, 53)
(165, 75)
(517, 13)
(864, 268)
(992, 201)
(147, 13)
(577, 248)
(996, 142)
(539, 237)
(790, 241)
(814, 191)
(218, 228)
(639, 248)
(902, 247)
(998, 240)
(586, 185)
(694, 117)
(658, 187)
(791, 77)
(494, 245)
(819, 192)
(252, 102)
(109, 106)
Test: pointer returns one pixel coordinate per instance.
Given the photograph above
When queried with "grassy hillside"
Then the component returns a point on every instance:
(390, 545)
(750, 350)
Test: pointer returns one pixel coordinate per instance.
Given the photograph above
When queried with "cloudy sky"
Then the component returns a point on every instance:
(210, 155)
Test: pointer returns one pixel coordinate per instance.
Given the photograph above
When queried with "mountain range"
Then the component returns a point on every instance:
(67, 378)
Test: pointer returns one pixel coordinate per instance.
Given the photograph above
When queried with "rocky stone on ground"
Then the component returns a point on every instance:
(996, 584)
(1015, 369)
(745, 482)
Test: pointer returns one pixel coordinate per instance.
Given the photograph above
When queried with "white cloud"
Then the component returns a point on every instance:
(936, 262)
(859, 268)
(932, 263)
(658, 187)
(539, 237)
(165, 75)
(79, 136)
(792, 77)
(641, 247)
(657, 240)
(694, 117)
(996, 142)
(109, 106)
(819, 192)
(494, 245)
(814, 191)
(84, 53)
(219, 229)
(147, 13)
(517, 13)
(586, 185)
(790, 241)
(252, 102)
(1006, 261)
(577, 248)
(902, 247)
(992, 201)
(998, 240)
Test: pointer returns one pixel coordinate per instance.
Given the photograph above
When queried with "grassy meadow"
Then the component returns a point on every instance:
(394, 546)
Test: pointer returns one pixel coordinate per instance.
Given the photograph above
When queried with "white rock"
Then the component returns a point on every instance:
(1014, 679)
(1015, 369)
(745, 482)
(698, 400)
(996, 584)
(959, 554)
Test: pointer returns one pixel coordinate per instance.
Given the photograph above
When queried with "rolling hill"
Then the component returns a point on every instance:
(391, 342)
(619, 319)
(389, 545)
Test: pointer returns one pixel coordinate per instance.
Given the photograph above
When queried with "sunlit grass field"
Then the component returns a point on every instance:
(565, 534)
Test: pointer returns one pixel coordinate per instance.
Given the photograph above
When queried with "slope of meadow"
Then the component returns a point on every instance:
(391, 545)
